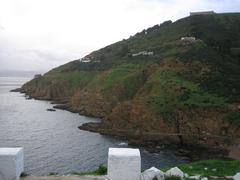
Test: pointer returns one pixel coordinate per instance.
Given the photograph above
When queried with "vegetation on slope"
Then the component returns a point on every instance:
(206, 168)
(194, 86)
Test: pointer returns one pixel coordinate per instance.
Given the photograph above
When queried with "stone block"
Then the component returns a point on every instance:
(124, 164)
(11, 163)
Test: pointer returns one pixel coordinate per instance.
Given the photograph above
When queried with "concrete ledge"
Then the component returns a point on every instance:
(11, 163)
(124, 163)
(66, 177)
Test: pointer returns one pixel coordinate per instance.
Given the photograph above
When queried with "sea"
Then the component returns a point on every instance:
(52, 141)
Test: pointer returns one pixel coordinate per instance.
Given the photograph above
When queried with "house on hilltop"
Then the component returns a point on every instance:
(201, 13)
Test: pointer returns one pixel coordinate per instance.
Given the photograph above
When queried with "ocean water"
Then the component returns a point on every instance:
(52, 141)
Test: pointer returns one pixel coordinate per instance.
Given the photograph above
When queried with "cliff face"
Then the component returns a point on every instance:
(172, 91)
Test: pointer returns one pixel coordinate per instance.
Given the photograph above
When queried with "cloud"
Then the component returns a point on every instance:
(39, 35)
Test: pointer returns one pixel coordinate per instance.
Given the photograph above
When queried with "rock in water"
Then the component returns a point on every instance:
(237, 176)
(51, 109)
(175, 172)
(152, 173)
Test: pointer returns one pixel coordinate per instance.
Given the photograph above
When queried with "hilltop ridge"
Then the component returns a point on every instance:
(156, 87)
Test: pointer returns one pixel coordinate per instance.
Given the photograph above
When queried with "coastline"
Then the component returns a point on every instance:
(155, 143)
(152, 142)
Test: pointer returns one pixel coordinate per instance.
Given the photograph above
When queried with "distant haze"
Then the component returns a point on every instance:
(37, 35)
(18, 73)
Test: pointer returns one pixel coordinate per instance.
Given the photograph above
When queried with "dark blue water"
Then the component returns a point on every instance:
(52, 141)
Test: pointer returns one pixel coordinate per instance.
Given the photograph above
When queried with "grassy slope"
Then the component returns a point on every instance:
(208, 168)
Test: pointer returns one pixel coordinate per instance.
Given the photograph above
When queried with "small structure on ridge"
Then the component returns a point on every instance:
(201, 13)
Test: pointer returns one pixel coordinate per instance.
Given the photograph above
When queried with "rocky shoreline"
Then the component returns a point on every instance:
(153, 142)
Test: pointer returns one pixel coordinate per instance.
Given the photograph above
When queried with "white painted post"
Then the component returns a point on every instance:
(11, 163)
(124, 164)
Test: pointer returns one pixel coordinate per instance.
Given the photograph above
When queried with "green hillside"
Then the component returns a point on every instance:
(190, 88)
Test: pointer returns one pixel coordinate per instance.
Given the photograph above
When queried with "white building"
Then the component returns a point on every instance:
(144, 53)
(85, 60)
(188, 39)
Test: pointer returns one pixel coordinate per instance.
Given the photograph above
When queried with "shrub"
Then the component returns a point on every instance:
(52, 174)
(102, 170)
(172, 178)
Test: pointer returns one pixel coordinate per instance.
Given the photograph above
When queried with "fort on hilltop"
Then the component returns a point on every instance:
(201, 13)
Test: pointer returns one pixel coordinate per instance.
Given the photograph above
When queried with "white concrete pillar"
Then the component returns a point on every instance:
(11, 163)
(124, 164)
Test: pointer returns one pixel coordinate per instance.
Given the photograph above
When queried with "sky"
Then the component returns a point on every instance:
(38, 35)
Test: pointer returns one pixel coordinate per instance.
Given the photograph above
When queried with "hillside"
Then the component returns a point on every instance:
(155, 87)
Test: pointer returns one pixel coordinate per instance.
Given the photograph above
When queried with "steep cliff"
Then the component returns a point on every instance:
(155, 86)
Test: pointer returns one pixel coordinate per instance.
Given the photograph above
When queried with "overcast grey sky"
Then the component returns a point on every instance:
(37, 35)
